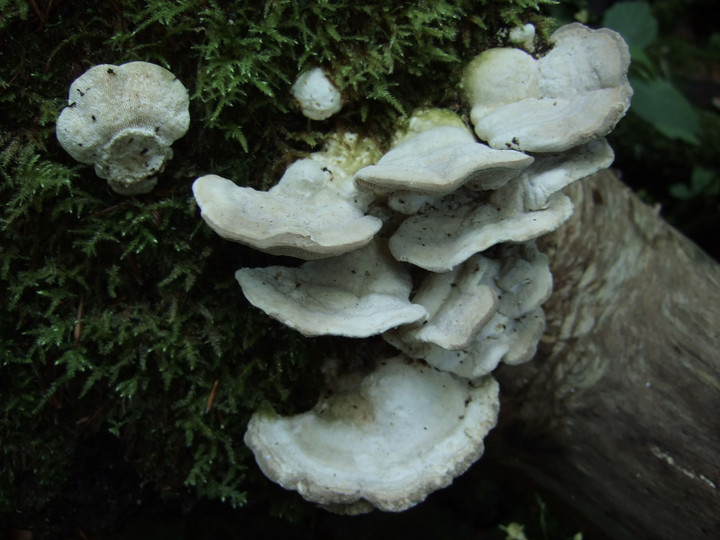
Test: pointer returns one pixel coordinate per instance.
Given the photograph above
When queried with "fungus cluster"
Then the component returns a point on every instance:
(573, 95)
(430, 246)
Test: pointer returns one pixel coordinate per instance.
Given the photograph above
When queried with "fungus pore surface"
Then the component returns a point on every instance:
(123, 120)
(388, 438)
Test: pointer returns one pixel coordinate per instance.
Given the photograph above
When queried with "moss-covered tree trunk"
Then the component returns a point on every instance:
(619, 414)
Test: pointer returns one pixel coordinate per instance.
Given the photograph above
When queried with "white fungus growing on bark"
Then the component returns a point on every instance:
(572, 95)
(439, 202)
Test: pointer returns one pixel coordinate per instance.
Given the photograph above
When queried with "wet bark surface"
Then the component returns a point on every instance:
(619, 413)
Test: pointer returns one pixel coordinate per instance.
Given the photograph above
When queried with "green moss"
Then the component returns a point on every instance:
(122, 313)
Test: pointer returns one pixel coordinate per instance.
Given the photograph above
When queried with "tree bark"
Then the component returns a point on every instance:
(619, 413)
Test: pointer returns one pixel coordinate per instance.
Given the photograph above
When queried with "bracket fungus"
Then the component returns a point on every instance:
(442, 199)
(446, 231)
(358, 294)
(450, 230)
(572, 95)
(385, 440)
(506, 328)
(123, 120)
(301, 216)
(318, 97)
(459, 303)
(552, 172)
(439, 160)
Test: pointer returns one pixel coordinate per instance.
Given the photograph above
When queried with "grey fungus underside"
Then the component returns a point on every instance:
(390, 439)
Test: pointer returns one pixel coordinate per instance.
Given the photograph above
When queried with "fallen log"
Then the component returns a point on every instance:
(619, 413)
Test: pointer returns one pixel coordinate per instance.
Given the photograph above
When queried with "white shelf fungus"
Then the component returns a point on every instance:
(342, 155)
(574, 94)
(440, 160)
(388, 439)
(524, 281)
(508, 330)
(511, 341)
(319, 98)
(459, 303)
(359, 294)
(552, 172)
(301, 216)
(123, 120)
(450, 230)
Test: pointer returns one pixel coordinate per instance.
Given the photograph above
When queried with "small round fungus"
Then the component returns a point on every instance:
(319, 98)
(523, 36)
(123, 120)
(389, 438)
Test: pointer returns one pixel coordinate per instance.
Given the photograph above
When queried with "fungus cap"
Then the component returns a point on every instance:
(521, 280)
(319, 98)
(123, 120)
(524, 281)
(301, 216)
(358, 294)
(343, 154)
(497, 77)
(459, 303)
(511, 341)
(389, 438)
(450, 230)
(552, 172)
(446, 231)
(574, 94)
(440, 160)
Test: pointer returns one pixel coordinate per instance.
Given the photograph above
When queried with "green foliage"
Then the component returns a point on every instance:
(117, 320)
(659, 102)
(121, 324)
(13, 9)
(634, 21)
(546, 528)
(656, 99)
(122, 315)
(673, 51)
(703, 183)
